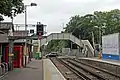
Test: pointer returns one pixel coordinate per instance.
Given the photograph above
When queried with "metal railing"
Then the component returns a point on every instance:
(3, 69)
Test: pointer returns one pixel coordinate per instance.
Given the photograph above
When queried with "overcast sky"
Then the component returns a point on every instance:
(54, 13)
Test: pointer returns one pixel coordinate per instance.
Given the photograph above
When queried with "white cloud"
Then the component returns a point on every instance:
(55, 12)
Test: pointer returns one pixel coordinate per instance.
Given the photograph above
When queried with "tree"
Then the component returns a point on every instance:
(83, 26)
(56, 45)
(6, 7)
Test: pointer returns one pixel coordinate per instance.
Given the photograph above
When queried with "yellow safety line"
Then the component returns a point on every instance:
(47, 74)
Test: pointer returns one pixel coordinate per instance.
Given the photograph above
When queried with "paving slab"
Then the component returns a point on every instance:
(33, 71)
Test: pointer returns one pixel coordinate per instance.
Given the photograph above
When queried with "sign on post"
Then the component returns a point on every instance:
(40, 35)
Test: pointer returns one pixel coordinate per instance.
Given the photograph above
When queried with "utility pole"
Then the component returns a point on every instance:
(25, 54)
(39, 41)
(10, 67)
(100, 38)
(26, 33)
(11, 43)
(71, 45)
(93, 40)
(40, 32)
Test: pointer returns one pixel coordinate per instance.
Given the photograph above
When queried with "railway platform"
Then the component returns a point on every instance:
(109, 61)
(36, 70)
(33, 71)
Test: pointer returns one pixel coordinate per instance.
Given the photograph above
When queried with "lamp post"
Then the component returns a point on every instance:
(100, 28)
(100, 36)
(26, 34)
(11, 43)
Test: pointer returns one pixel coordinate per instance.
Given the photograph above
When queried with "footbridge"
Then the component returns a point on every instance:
(87, 47)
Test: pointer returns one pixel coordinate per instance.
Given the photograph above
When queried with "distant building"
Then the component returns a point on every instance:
(6, 27)
(20, 33)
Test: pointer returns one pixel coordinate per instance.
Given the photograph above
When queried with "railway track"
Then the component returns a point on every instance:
(67, 73)
(99, 73)
(87, 72)
(102, 70)
(82, 73)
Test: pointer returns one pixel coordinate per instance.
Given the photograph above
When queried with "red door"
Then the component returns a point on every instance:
(18, 56)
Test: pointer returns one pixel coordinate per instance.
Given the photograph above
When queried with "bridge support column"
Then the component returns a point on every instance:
(71, 46)
(10, 63)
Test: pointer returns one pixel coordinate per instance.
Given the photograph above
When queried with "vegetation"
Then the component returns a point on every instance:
(56, 45)
(108, 22)
(7, 6)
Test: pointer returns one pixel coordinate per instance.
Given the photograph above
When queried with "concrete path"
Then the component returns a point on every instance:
(34, 71)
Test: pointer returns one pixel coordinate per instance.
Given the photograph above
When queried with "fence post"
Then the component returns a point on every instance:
(3, 68)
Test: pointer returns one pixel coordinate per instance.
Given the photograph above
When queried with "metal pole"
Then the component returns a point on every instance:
(42, 62)
(100, 28)
(45, 31)
(25, 35)
(77, 56)
(12, 19)
(100, 49)
(38, 46)
(71, 45)
(93, 42)
(100, 39)
(10, 55)
(10, 67)
(79, 46)
(40, 49)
